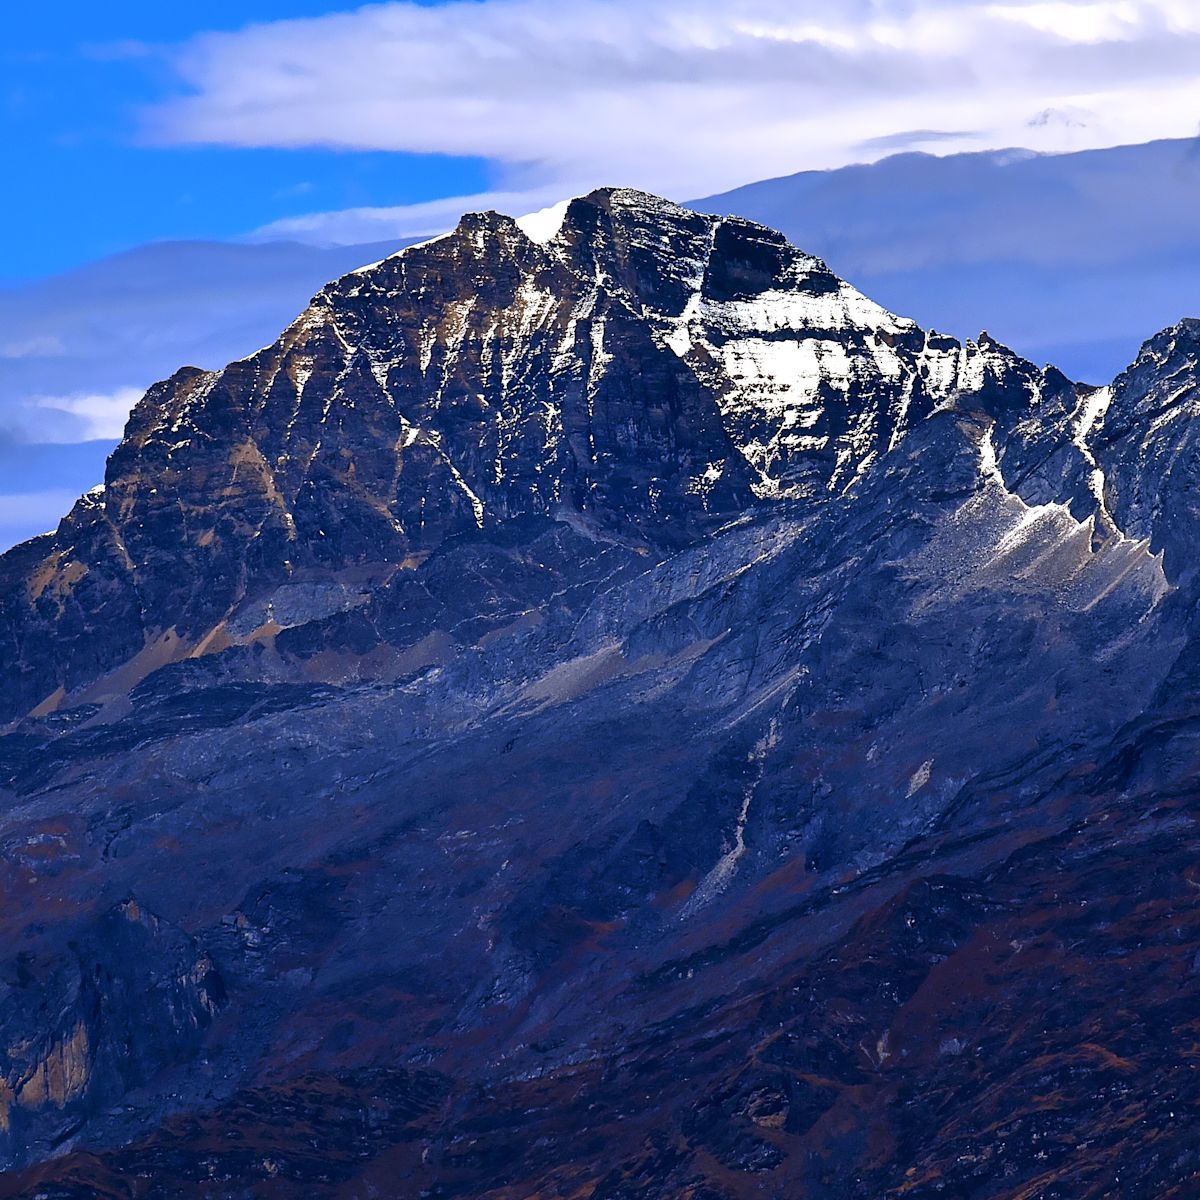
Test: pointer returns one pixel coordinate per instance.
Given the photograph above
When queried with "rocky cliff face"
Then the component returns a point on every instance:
(601, 708)
(643, 369)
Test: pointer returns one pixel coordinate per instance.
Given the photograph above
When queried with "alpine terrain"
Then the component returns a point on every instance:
(600, 709)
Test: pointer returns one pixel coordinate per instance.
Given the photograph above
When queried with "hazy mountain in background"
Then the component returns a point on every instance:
(1073, 259)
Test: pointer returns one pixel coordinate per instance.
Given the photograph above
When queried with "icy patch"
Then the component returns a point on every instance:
(1091, 413)
(989, 464)
(769, 373)
(972, 372)
(434, 439)
(680, 339)
(703, 484)
(941, 371)
(780, 358)
(802, 312)
(900, 423)
(302, 374)
(717, 880)
(543, 226)
(534, 305)
(600, 356)
(476, 503)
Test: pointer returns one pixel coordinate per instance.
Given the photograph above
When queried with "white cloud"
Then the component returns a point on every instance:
(353, 225)
(39, 346)
(1101, 21)
(81, 417)
(685, 96)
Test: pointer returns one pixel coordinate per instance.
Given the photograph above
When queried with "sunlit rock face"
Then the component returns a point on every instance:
(599, 707)
(647, 370)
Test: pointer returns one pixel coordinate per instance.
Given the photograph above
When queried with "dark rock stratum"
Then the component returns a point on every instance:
(601, 709)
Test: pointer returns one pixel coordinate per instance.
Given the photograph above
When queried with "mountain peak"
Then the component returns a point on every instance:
(611, 674)
(617, 359)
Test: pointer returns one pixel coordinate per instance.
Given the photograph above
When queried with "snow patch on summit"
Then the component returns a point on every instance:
(543, 226)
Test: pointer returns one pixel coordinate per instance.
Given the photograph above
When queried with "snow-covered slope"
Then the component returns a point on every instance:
(1073, 259)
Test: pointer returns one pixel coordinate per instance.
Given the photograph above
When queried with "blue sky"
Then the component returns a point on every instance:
(331, 123)
(75, 79)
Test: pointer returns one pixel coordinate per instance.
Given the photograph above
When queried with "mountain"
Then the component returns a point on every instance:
(601, 708)
(1072, 258)
(78, 348)
(139, 314)
(1069, 258)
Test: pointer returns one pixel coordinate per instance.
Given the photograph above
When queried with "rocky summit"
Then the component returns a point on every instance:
(601, 709)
